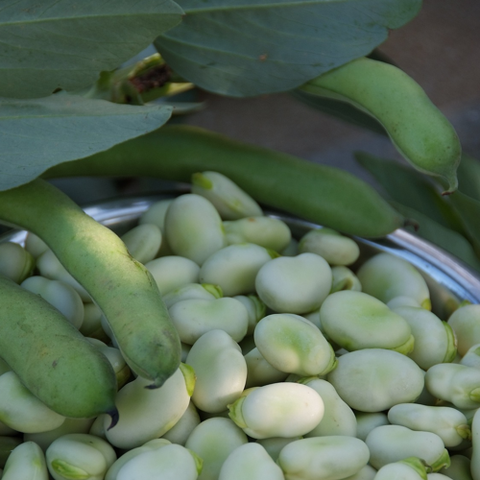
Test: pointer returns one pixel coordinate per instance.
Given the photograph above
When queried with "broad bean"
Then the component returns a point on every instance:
(373, 379)
(27, 461)
(356, 320)
(323, 458)
(16, 263)
(140, 418)
(192, 318)
(234, 268)
(220, 370)
(250, 461)
(465, 322)
(385, 277)
(194, 228)
(214, 440)
(294, 284)
(277, 410)
(79, 455)
(143, 242)
(335, 248)
(292, 344)
(393, 443)
(231, 201)
(267, 232)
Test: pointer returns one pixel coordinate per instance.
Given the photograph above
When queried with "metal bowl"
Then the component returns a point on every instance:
(450, 281)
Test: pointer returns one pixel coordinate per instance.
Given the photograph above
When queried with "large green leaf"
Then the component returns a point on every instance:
(250, 47)
(66, 43)
(39, 133)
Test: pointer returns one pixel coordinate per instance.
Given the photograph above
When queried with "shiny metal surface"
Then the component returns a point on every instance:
(449, 280)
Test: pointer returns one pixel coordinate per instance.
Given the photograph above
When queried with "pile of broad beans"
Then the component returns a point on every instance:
(298, 363)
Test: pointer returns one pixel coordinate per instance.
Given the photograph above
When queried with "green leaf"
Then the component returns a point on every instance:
(451, 241)
(66, 43)
(40, 133)
(407, 186)
(251, 47)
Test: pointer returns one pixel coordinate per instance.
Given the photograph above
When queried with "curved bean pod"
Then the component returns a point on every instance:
(99, 260)
(62, 368)
(419, 131)
(318, 193)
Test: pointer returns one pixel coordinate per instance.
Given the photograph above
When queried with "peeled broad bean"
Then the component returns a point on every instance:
(189, 291)
(173, 461)
(26, 462)
(255, 307)
(35, 245)
(79, 455)
(227, 197)
(49, 266)
(335, 248)
(234, 268)
(220, 370)
(465, 322)
(392, 443)
(435, 341)
(59, 294)
(277, 410)
(459, 468)
(472, 357)
(365, 473)
(116, 466)
(250, 461)
(367, 421)
(156, 214)
(192, 318)
(23, 411)
(294, 284)
(457, 384)
(338, 418)
(143, 242)
(145, 414)
(114, 356)
(323, 458)
(214, 440)
(292, 344)
(260, 372)
(374, 379)
(412, 468)
(172, 272)
(449, 424)
(344, 279)
(475, 457)
(356, 320)
(180, 432)
(194, 228)
(16, 263)
(385, 277)
(268, 232)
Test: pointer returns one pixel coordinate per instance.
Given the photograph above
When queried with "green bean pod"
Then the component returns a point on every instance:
(318, 193)
(100, 262)
(61, 368)
(417, 128)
